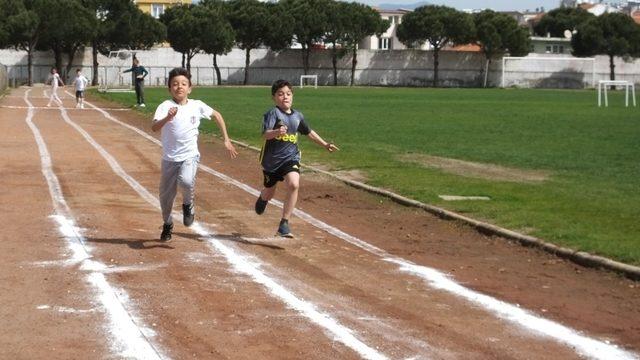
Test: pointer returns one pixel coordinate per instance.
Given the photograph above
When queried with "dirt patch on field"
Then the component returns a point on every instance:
(477, 170)
(352, 174)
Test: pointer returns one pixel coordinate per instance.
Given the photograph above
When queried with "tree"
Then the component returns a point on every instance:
(66, 34)
(310, 22)
(146, 31)
(217, 35)
(439, 25)
(249, 19)
(115, 27)
(183, 31)
(557, 21)
(499, 34)
(613, 34)
(360, 21)
(26, 24)
(336, 33)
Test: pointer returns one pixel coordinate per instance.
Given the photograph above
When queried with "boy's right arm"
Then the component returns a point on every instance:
(272, 127)
(158, 124)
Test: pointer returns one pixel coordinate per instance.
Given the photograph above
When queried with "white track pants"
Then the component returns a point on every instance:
(54, 96)
(174, 174)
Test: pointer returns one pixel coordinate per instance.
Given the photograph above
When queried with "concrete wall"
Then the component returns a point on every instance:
(374, 67)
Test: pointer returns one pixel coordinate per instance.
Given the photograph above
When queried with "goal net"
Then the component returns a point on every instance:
(309, 80)
(548, 72)
(111, 77)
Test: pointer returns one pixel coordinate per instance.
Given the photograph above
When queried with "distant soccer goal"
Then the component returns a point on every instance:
(548, 72)
(111, 77)
(309, 78)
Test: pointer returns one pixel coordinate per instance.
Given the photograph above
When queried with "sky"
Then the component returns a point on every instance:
(482, 4)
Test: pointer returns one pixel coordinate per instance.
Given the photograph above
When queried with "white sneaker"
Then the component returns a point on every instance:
(81, 106)
(143, 105)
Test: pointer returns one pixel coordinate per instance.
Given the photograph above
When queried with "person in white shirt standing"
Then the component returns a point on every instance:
(81, 84)
(56, 81)
(179, 119)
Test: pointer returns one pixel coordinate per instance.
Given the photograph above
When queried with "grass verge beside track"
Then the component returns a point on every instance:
(554, 164)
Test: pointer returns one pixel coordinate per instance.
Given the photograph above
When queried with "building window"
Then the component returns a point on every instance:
(561, 51)
(548, 49)
(384, 43)
(157, 10)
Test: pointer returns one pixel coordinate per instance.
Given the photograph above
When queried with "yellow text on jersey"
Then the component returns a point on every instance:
(288, 137)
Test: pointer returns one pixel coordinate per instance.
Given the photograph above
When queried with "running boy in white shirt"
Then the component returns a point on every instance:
(55, 82)
(179, 119)
(81, 84)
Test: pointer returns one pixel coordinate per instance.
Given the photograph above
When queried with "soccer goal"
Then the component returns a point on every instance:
(548, 72)
(111, 77)
(309, 78)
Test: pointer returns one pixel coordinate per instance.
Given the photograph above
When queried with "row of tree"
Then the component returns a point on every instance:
(216, 26)
(612, 34)
(65, 26)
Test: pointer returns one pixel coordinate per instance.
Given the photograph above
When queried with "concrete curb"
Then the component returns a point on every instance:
(578, 257)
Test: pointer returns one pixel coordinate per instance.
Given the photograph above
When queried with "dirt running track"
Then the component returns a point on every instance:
(82, 275)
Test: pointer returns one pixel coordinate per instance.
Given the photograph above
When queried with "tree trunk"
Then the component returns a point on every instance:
(486, 72)
(182, 64)
(57, 56)
(247, 60)
(334, 61)
(354, 62)
(94, 55)
(612, 68)
(30, 65)
(215, 66)
(436, 62)
(71, 54)
(189, 57)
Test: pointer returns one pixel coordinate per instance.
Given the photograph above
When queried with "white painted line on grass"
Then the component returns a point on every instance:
(242, 264)
(583, 344)
(128, 338)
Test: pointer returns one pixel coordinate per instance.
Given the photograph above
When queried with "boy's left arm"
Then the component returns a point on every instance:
(223, 129)
(318, 140)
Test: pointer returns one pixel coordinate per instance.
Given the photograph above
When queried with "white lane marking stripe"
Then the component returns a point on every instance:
(242, 264)
(128, 339)
(583, 344)
(55, 108)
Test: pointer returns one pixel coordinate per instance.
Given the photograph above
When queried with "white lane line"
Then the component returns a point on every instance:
(243, 264)
(128, 338)
(582, 344)
(56, 108)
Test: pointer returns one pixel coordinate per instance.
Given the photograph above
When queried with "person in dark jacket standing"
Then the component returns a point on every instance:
(139, 72)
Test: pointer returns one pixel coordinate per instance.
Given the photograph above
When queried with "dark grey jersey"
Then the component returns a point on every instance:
(283, 148)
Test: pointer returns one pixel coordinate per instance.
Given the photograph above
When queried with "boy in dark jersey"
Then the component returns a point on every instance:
(280, 156)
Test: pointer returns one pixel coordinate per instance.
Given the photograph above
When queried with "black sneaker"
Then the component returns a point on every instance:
(187, 214)
(166, 232)
(261, 205)
(283, 229)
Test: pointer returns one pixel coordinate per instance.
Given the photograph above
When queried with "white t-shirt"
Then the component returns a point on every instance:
(180, 135)
(81, 82)
(54, 80)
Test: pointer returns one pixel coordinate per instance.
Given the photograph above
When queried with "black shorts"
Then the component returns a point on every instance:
(272, 178)
(80, 94)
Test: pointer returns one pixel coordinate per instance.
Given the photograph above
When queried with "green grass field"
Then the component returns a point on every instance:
(588, 157)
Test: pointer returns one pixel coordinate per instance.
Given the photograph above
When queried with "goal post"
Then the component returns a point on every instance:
(313, 78)
(111, 77)
(548, 72)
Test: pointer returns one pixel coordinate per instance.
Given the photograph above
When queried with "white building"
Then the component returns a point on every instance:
(388, 40)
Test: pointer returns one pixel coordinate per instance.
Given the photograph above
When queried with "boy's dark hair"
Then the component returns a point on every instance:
(178, 72)
(279, 84)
